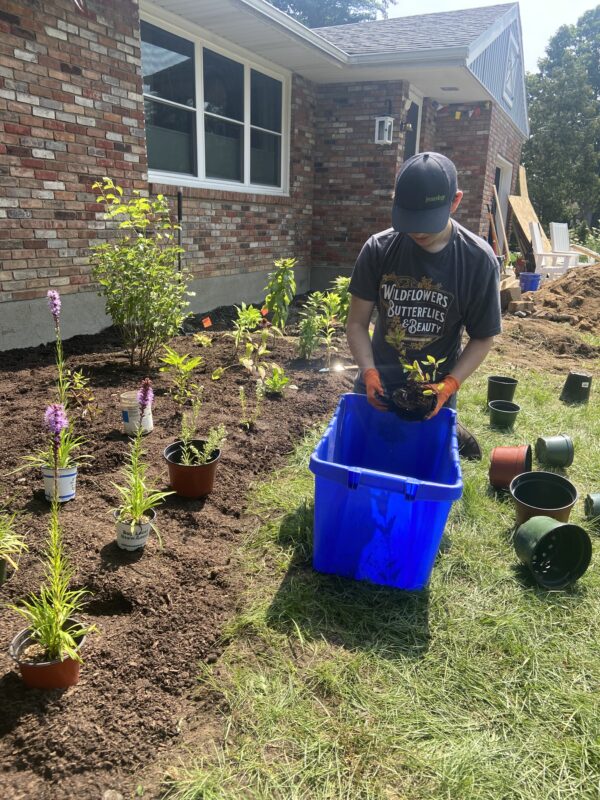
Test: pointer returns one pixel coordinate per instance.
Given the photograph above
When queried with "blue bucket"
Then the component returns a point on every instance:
(383, 491)
(530, 281)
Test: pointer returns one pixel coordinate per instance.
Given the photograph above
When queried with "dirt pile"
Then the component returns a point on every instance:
(572, 298)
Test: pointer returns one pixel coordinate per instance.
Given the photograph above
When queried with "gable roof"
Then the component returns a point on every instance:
(420, 32)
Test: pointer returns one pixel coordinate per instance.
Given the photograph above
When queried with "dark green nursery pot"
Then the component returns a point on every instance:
(542, 494)
(503, 413)
(557, 553)
(555, 451)
(577, 387)
(501, 387)
(591, 506)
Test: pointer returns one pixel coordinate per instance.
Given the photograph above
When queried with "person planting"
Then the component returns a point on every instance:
(431, 279)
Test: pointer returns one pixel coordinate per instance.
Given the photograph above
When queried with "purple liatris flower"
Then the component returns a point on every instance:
(56, 420)
(145, 396)
(54, 304)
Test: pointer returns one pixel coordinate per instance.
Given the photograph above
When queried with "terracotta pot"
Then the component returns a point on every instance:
(542, 494)
(133, 537)
(557, 553)
(508, 462)
(47, 674)
(190, 481)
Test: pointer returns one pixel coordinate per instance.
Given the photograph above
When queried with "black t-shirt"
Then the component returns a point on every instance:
(425, 300)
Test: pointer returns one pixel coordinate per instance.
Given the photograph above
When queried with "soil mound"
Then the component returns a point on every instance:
(572, 298)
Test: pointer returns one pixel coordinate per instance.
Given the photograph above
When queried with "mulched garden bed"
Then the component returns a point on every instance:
(159, 613)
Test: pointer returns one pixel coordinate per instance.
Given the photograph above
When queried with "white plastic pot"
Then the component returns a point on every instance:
(133, 537)
(66, 480)
(130, 413)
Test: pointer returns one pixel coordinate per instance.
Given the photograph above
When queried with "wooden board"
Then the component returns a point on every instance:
(524, 213)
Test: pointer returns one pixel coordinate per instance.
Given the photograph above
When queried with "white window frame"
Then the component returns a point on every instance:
(513, 58)
(200, 39)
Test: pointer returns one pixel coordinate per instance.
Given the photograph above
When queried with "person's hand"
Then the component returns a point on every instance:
(443, 391)
(374, 389)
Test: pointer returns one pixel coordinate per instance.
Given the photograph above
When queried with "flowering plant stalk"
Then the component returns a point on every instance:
(54, 304)
(60, 449)
(137, 497)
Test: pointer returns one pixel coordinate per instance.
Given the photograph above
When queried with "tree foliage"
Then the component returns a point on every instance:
(321, 13)
(562, 157)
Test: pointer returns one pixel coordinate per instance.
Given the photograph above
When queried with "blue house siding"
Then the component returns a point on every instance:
(490, 69)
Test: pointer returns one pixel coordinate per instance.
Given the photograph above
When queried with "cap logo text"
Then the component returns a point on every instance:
(435, 198)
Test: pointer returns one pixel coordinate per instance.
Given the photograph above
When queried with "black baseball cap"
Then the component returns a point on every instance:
(425, 188)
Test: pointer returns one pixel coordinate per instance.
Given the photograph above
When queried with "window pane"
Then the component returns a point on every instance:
(266, 102)
(224, 149)
(223, 86)
(170, 138)
(265, 158)
(167, 65)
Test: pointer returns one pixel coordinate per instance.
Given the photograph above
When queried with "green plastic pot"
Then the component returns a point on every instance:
(557, 553)
(503, 413)
(546, 494)
(555, 451)
(501, 388)
(591, 506)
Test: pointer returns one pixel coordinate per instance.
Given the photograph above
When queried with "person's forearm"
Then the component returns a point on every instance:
(472, 357)
(360, 345)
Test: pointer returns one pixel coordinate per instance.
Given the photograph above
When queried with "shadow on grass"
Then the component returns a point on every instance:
(346, 613)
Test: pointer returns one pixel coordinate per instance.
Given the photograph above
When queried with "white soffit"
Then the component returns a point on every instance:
(263, 30)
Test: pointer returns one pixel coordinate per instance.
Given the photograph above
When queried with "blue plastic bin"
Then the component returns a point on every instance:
(529, 281)
(383, 492)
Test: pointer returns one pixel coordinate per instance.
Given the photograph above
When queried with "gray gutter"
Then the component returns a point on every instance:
(426, 58)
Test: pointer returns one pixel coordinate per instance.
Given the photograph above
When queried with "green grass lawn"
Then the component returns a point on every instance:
(485, 686)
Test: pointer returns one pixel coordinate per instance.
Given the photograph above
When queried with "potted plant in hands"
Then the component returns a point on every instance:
(416, 400)
(192, 462)
(135, 515)
(12, 544)
(47, 651)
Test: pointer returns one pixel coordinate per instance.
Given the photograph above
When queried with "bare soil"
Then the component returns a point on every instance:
(159, 612)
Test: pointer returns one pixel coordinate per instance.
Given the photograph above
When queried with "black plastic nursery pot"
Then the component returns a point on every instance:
(577, 387)
(557, 553)
(501, 388)
(591, 506)
(542, 494)
(555, 451)
(503, 413)
(2, 571)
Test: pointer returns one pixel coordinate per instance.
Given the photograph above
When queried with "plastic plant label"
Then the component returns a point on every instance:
(585, 385)
(206, 322)
(125, 415)
(264, 311)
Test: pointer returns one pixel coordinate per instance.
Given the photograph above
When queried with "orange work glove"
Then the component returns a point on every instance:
(444, 390)
(374, 389)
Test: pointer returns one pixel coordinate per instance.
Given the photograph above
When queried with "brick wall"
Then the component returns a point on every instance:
(70, 112)
(473, 141)
(354, 177)
(225, 233)
(428, 127)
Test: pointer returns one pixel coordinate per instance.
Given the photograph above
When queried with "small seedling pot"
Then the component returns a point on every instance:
(501, 388)
(130, 414)
(133, 538)
(66, 482)
(507, 462)
(530, 281)
(542, 494)
(577, 387)
(46, 674)
(190, 481)
(557, 553)
(591, 506)
(555, 451)
(503, 413)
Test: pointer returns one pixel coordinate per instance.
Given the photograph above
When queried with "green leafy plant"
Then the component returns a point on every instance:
(281, 289)
(276, 382)
(203, 339)
(50, 613)
(342, 289)
(138, 273)
(189, 426)
(252, 358)
(12, 544)
(138, 498)
(195, 457)
(66, 452)
(416, 373)
(248, 319)
(308, 334)
(180, 370)
(249, 418)
(80, 394)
